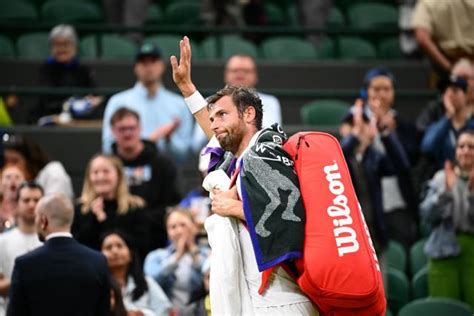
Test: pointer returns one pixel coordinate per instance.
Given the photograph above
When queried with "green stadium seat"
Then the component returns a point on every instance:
(230, 45)
(389, 48)
(7, 49)
(59, 11)
(275, 15)
(17, 11)
(436, 306)
(33, 46)
(353, 48)
(154, 15)
(112, 47)
(182, 13)
(293, 15)
(324, 112)
(372, 15)
(287, 48)
(418, 257)
(327, 49)
(397, 289)
(336, 18)
(396, 256)
(169, 45)
(419, 283)
(388, 313)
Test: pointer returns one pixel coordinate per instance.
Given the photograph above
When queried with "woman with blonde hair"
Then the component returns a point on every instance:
(106, 204)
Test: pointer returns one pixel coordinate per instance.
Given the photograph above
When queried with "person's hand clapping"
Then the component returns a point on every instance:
(97, 207)
(450, 175)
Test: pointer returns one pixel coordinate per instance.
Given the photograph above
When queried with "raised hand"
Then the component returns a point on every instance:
(450, 110)
(450, 175)
(97, 208)
(182, 70)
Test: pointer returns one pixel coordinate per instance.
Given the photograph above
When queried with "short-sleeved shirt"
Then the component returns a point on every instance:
(451, 24)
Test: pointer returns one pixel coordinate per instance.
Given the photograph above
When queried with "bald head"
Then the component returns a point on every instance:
(58, 210)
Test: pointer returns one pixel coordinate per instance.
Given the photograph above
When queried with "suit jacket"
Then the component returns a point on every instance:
(62, 277)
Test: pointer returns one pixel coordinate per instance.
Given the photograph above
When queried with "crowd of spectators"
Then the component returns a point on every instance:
(405, 173)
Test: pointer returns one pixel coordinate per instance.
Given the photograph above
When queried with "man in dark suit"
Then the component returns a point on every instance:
(62, 277)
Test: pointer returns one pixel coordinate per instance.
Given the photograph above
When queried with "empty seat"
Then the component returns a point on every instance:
(182, 13)
(355, 48)
(397, 289)
(107, 47)
(154, 15)
(372, 15)
(274, 14)
(436, 306)
(336, 18)
(287, 48)
(418, 258)
(396, 256)
(419, 283)
(226, 46)
(169, 45)
(324, 112)
(389, 48)
(17, 11)
(7, 49)
(33, 46)
(60, 11)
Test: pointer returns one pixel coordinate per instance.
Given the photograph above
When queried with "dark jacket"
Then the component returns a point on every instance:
(153, 176)
(60, 278)
(377, 165)
(135, 223)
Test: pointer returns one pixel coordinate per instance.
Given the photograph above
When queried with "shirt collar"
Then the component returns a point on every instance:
(140, 89)
(58, 234)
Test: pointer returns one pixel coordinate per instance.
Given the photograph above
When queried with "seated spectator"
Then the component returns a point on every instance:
(439, 139)
(106, 204)
(11, 178)
(141, 294)
(63, 69)
(166, 121)
(368, 165)
(435, 109)
(178, 268)
(149, 174)
(449, 209)
(50, 174)
(21, 239)
(443, 29)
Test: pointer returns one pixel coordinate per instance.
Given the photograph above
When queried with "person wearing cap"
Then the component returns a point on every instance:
(439, 140)
(165, 119)
(63, 69)
(435, 109)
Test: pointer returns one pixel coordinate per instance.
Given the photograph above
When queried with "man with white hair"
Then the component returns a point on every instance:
(62, 277)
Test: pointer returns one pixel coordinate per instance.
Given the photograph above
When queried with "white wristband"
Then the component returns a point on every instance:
(195, 102)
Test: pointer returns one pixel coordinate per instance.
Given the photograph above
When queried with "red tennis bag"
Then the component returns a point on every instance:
(339, 270)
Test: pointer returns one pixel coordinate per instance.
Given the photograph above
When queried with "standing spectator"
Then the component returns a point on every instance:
(50, 174)
(141, 295)
(107, 204)
(443, 29)
(449, 209)
(63, 69)
(164, 116)
(11, 178)
(150, 174)
(177, 268)
(62, 277)
(368, 165)
(21, 239)
(439, 140)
